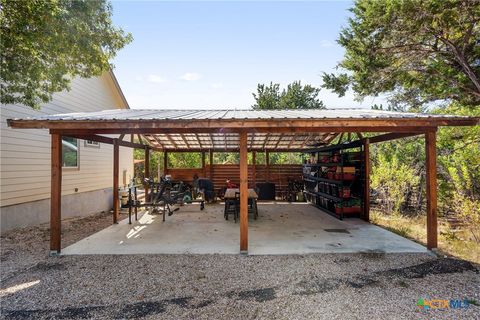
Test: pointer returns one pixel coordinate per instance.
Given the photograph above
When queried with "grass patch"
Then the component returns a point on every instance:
(457, 244)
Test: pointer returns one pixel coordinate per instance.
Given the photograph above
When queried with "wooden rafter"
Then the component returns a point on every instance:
(121, 136)
(172, 142)
(198, 140)
(184, 140)
(291, 141)
(158, 141)
(279, 139)
(330, 137)
(267, 137)
(304, 143)
(211, 140)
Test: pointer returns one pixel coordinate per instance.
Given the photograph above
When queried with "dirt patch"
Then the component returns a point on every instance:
(24, 248)
(307, 287)
(438, 266)
(260, 295)
(181, 302)
(433, 267)
(129, 311)
(141, 309)
(44, 266)
(362, 281)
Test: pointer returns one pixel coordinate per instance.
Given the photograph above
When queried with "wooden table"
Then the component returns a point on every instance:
(252, 196)
(230, 193)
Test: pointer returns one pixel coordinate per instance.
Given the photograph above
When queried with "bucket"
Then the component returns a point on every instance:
(124, 197)
(300, 197)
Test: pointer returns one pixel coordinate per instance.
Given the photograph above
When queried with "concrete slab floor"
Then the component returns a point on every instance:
(281, 228)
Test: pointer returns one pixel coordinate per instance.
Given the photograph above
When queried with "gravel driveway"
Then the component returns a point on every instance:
(316, 286)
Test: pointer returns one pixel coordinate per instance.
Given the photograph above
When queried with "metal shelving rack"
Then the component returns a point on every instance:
(324, 200)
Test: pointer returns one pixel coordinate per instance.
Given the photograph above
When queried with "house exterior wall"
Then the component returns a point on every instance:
(25, 159)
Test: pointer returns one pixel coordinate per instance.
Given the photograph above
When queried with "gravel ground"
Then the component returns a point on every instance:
(316, 286)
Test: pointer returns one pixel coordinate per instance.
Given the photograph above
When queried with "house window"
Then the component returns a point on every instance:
(92, 144)
(69, 152)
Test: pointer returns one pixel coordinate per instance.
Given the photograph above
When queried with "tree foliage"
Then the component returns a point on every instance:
(416, 51)
(393, 181)
(458, 166)
(45, 43)
(296, 96)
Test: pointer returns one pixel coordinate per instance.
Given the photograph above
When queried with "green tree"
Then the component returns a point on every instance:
(45, 43)
(267, 97)
(416, 51)
(184, 160)
(296, 96)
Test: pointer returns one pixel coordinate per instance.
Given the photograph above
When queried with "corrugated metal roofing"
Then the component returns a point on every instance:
(157, 114)
(153, 124)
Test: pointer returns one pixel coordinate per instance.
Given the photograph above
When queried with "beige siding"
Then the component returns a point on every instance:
(25, 154)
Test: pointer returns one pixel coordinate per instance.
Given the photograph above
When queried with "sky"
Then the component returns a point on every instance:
(212, 55)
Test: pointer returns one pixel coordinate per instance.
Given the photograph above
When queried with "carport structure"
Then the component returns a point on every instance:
(239, 131)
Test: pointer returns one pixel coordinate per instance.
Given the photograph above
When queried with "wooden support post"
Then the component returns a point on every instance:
(204, 169)
(366, 198)
(267, 166)
(147, 172)
(159, 172)
(243, 193)
(431, 177)
(165, 163)
(254, 168)
(115, 180)
(56, 195)
(211, 164)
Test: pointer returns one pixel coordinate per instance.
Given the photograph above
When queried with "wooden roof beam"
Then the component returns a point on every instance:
(391, 136)
(243, 124)
(135, 130)
(109, 140)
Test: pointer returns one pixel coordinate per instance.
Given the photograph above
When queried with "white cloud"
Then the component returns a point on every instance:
(326, 43)
(191, 76)
(155, 78)
(217, 85)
